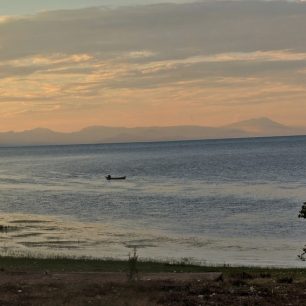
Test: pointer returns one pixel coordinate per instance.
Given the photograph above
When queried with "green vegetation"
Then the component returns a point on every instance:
(62, 264)
(302, 214)
(133, 265)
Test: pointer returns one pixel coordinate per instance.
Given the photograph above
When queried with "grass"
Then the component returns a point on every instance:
(64, 264)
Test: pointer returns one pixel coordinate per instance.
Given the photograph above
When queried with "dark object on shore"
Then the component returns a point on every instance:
(109, 177)
(285, 280)
(133, 269)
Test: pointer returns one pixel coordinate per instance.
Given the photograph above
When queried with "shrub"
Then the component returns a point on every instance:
(132, 262)
(285, 280)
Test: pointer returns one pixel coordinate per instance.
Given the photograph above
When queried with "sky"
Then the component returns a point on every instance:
(65, 65)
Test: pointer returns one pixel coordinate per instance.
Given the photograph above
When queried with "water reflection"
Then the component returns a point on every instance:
(23, 234)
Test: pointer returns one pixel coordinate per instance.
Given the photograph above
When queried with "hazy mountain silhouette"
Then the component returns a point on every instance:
(259, 127)
(266, 127)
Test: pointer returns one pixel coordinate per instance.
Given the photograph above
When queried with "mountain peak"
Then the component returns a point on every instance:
(261, 125)
(259, 120)
(255, 127)
(39, 130)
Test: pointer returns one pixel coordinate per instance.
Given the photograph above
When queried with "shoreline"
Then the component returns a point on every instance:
(87, 264)
(38, 235)
(67, 281)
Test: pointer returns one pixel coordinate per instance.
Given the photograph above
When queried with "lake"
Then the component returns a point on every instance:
(230, 201)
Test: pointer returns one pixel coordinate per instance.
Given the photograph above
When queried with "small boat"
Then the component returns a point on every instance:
(109, 177)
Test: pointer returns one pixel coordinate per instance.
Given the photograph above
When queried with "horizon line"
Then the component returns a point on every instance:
(151, 126)
(147, 142)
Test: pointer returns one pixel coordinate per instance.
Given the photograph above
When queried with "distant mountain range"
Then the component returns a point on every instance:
(259, 127)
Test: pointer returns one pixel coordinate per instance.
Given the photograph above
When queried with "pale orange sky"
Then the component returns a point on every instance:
(204, 64)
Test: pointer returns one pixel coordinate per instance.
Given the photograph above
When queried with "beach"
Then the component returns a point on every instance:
(62, 281)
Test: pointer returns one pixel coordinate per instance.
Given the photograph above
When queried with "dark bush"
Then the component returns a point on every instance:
(285, 280)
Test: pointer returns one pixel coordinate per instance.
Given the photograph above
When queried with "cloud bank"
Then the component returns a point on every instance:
(163, 64)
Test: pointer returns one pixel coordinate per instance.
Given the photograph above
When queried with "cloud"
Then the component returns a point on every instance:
(169, 30)
(4, 19)
(249, 52)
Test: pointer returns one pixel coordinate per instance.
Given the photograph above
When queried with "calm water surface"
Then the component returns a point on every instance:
(222, 201)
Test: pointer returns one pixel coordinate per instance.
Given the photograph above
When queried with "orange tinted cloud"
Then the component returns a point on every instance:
(141, 66)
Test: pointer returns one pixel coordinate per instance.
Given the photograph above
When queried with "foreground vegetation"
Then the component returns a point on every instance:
(71, 281)
(66, 264)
